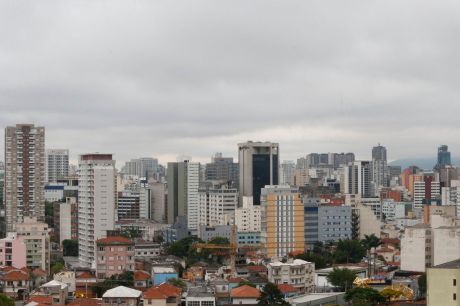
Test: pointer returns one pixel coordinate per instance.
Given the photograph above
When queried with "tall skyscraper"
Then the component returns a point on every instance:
(443, 156)
(183, 198)
(357, 178)
(259, 164)
(282, 225)
(379, 169)
(24, 174)
(96, 202)
(57, 164)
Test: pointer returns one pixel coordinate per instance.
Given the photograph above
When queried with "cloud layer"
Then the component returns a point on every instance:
(163, 78)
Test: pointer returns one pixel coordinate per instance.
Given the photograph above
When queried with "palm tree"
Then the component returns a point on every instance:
(369, 242)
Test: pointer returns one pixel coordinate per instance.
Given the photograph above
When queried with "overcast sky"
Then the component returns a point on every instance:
(163, 78)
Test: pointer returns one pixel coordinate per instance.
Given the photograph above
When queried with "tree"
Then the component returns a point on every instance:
(5, 300)
(271, 295)
(131, 233)
(219, 240)
(245, 283)
(364, 296)
(49, 214)
(177, 282)
(369, 242)
(70, 247)
(390, 294)
(349, 251)
(57, 267)
(342, 278)
(422, 284)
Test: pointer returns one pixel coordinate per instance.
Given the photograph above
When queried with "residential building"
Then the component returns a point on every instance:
(142, 280)
(148, 229)
(161, 274)
(122, 296)
(248, 217)
(222, 169)
(287, 170)
(183, 197)
(13, 251)
(259, 164)
(442, 284)
(66, 219)
(15, 283)
(357, 178)
(207, 233)
(392, 210)
(68, 278)
(96, 203)
(163, 295)
(128, 205)
(115, 255)
(57, 164)
(248, 238)
(244, 295)
(146, 249)
(158, 201)
(200, 296)
(141, 167)
(217, 205)
(426, 190)
(36, 238)
(58, 291)
(282, 221)
(334, 223)
(24, 174)
(296, 272)
(380, 176)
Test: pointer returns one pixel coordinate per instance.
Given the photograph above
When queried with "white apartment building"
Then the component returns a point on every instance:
(24, 174)
(394, 210)
(158, 201)
(217, 205)
(248, 217)
(37, 240)
(297, 273)
(420, 192)
(357, 178)
(193, 200)
(96, 203)
(57, 164)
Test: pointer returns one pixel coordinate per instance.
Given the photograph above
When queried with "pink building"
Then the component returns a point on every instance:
(114, 255)
(13, 251)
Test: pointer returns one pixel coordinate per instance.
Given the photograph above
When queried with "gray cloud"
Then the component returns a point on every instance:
(162, 78)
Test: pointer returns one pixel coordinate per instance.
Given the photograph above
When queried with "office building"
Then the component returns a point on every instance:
(183, 197)
(287, 170)
(24, 174)
(259, 164)
(96, 203)
(380, 177)
(37, 241)
(57, 164)
(222, 169)
(426, 191)
(357, 178)
(282, 225)
(443, 156)
(141, 167)
(158, 201)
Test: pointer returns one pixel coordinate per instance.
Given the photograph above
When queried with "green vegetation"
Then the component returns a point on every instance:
(364, 296)
(5, 300)
(49, 214)
(245, 283)
(349, 251)
(271, 295)
(57, 267)
(342, 278)
(369, 242)
(70, 247)
(124, 279)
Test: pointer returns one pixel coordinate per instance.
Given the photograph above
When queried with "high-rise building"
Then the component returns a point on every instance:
(222, 169)
(96, 203)
(287, 172)
(357, 178)
(259, 164)
(183, 198)
(142, 167)
(248, 217)
(158, 200)
(57, 164)
(217, 205)
(380, 176)
(443, 156)
(426, 191)
(24, 173)
(282, 225)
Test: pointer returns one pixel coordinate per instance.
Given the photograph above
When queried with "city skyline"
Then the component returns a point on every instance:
(207, 76)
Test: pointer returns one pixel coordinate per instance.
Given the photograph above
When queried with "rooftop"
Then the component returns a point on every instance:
(115, 240)
(449, 265)
(122, 292)
(245, 292)
(199, 292)
(295, 262)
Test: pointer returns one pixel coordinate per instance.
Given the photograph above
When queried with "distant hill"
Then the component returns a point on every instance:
(424, 163)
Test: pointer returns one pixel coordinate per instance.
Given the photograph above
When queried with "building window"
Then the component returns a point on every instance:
(455, 296)
(455, 282)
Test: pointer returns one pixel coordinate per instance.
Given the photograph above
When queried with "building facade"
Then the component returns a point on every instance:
(298, 273)
(13, 251)
(24, 174)
(248, 217)
(217, 205)
(37, 240)
(357, 178)
(57, 164)
(115, 255)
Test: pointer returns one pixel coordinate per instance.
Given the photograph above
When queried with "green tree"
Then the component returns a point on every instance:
(177, 282)
(342, 278)
(219, 240)
(70, 247)
(271, 295)
(57, 267)
(245, 283)
(370, 242)
(390, 294)
(49, 214)
(5, 300)
(422, 284)
(183, 248)
(349, 251)
(364, 296)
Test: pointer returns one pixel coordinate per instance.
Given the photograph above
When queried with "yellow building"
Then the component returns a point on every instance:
(282, 221)
(443, 287)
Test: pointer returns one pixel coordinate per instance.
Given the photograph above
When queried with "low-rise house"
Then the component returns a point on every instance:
(57, 290)
(160, 274)
(115, 255)
(245, 295)
(321, 282)
(258, 281)
(163, 295)
(222, 289)
(15, 283)
(142, 280)
(233, 282)
(200, 296)
(121, 295)
(257, 270)
(68, 278)
(38, 277)
(40, 300)
(296, 272)
(288, 290)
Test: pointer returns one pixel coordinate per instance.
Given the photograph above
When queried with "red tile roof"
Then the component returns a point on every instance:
(86, 275)
(236, 280)
(85, 302)
(42, 299)
(16, 275)
(245, 292)
(286, 288)
(115, 240)
(258, 268)
(163, 291)
(141, 275)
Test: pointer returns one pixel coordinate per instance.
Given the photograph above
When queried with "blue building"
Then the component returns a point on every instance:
(161, 274)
